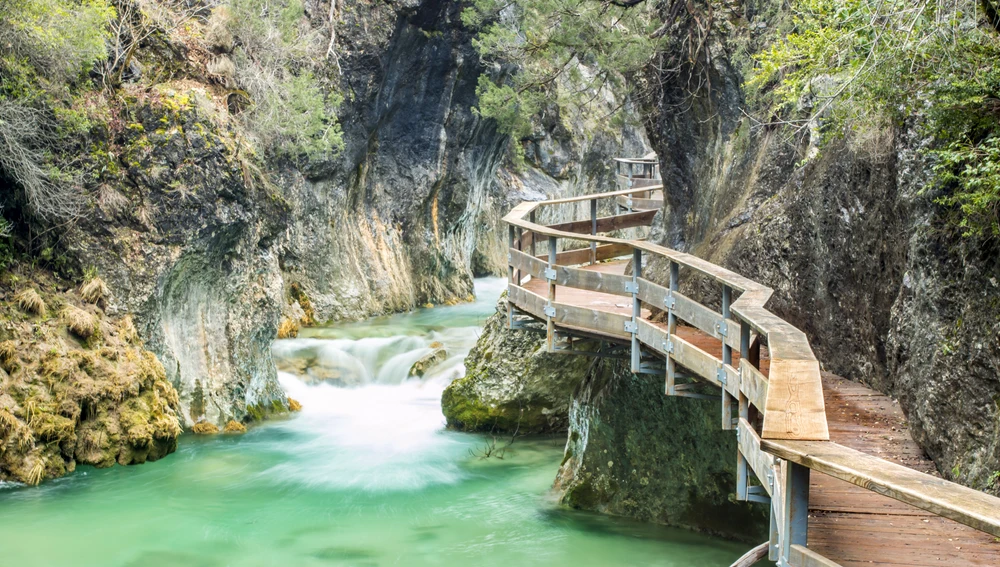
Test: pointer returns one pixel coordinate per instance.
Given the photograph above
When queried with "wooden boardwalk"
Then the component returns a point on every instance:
(847, 524)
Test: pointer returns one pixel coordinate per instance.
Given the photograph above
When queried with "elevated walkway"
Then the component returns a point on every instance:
(831, 458)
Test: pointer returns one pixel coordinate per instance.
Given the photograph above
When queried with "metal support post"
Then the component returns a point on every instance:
(727, 358)
(550, 325)
(672, 328)
(636, 309)
(593, 230)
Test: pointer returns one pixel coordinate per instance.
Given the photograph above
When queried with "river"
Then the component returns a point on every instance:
(365, 475)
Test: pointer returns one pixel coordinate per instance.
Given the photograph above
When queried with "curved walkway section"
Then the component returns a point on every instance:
(588, 284)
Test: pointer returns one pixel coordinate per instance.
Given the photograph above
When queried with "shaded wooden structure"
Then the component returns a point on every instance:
(771, 391)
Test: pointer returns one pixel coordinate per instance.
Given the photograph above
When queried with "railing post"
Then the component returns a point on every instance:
(550, 310)
(744, 413)
(636, 309)
(727, 358)
(593, 231)
(795, 518)
(534, 235)
(672, 329)
(520, 247)
(510, 275)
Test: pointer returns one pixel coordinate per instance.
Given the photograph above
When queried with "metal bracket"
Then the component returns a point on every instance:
(632, 287)
(630, 327)
(721, 375)
(668, 347)
(722, 328)
(669, 302)
(757, 494)
(550, 274)
(549, 311)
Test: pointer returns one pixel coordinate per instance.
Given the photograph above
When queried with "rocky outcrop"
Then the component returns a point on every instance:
(849, 235)
(76, 385)
(634, 452)
(186, 233)
(512, 384)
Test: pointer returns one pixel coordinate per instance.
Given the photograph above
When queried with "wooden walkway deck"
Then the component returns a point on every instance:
(847, 524)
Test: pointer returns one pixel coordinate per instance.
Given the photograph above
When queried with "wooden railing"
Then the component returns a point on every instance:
(793, 437)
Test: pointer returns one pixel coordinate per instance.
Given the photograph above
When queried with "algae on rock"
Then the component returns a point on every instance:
(511, 383)
(634, 452)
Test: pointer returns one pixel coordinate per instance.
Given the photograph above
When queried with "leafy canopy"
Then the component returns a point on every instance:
(565, 52)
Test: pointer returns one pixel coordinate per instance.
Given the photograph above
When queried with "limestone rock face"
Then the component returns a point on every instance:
(634, 452)
(512, 384)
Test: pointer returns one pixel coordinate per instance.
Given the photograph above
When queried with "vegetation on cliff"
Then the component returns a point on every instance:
(76, 385)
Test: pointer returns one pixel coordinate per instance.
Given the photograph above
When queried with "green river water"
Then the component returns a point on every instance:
(363, 476)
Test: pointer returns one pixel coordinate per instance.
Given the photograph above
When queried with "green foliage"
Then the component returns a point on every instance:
(61, 38)
(566, 52)
(890, 59)
(276, 55)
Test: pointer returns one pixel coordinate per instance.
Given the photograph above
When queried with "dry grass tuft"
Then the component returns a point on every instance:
(235, 427)
(205, 428)
(95, 291)
(8, 353)
(30, 302)
(127, 331)
(36, 473)
(294, 405)
(288, 329)
(80, 323)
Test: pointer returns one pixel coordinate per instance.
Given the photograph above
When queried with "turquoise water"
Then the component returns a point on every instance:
(363, 476)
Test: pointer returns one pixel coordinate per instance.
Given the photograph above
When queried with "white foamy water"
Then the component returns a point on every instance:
(366, 424)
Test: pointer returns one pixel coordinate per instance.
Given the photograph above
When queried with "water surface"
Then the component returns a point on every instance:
(363, 476)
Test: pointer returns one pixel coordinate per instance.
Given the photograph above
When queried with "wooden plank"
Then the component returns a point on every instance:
(636, 203)
(696, 360)
(607, 224)
(760, 462)
(651, 336)
(753, 384)
(592, 280)
(800, 556)
(582, 255)
(794, 408)
(527, 264)
(936, 495)
(593, 319)
(526, 301)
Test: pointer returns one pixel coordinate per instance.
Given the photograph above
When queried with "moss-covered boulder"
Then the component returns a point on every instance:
(633, 451)
(72, 393)
(511, 383)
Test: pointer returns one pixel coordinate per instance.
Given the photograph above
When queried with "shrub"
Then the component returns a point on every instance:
(24, 133)
(294, 405)
(235, 427)
(60, 38)
(274, 51)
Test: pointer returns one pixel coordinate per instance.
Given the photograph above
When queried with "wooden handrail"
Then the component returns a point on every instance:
(794, 437)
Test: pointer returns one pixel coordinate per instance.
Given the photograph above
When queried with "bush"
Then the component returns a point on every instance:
(61, 38)
(274, 52)
(24, 133)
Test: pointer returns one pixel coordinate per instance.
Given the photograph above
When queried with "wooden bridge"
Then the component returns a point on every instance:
(874, 500)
